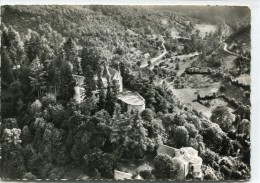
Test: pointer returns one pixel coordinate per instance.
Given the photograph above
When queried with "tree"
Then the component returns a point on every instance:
(12, 41)
(148, 30)
(150, 96)
(209, 157)
(193, 132)
(105, 163)
(212, 136)
(7, 73)
(163, 166)
(222, 117)
(38, 78)
(226, 146)
(89, 82)
(178, 137)
(33, 46)
(92, 56)
(147, 114)
(12, 159)
(67, 83)
(110, 98)
(177, 67)
(129, 137)
(26, 135)
(71, 55)
(53, 71)
(138, 63)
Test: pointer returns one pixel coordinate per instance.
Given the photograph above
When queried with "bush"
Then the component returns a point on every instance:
(163, 165)
(191, 129)
(225, 171)
(103, 162)
(247, 94)
(29, 176)
(209, 157)
(147, 114)
(147, 174)
(222, 88)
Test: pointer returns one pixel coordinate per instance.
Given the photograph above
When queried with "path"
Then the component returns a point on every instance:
(232, 53)
(153, 60)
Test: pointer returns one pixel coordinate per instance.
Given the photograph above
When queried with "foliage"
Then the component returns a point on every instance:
(103, 162)
(163, 166)
(44, 132)
(222, 117)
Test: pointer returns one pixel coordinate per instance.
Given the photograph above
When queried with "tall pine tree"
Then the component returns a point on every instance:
(7, 73)
(66, 90)
(111, 98)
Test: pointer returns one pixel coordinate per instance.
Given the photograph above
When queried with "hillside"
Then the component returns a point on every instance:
(92, 92)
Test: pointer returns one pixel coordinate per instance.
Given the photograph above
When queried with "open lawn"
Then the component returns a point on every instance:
(244, 78)
(185, 62)
(205, 28)
(236, 92)
(187, 95)
(228, 61)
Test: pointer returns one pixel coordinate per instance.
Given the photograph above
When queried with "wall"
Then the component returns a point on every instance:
(78, 95)
(139, 108)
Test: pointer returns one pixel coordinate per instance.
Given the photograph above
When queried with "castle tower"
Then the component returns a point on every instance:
(106, 73)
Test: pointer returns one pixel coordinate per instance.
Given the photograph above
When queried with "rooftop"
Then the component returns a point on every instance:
(79, 79)
(118, 175)
(131, 98)
(163, 149)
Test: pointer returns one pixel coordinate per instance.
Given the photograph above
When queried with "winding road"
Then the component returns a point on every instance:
(226, 50)
(153, 60)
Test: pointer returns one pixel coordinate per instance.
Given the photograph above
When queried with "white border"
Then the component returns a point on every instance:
(255, 63)
(131, 2)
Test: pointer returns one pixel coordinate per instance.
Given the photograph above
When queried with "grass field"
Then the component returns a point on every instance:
(205, 28)
(244, 78)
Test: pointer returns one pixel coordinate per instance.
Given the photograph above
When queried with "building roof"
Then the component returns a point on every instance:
(180, 159)
(112, 72)
(131, 98)
(163, 149)
(190, 151)
(118, 175)
(79, 79)
(138, 177)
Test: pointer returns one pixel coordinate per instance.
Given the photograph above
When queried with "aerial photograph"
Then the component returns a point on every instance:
(125, 92)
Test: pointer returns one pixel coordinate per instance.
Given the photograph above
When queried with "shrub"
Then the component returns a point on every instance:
(225, 171)
(209, 157)
(163, 165)
(222, 88)
(147, 174)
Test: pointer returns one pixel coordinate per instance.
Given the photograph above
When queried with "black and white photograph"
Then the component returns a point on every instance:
(125, 92)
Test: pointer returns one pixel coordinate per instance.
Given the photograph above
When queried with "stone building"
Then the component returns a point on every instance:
(130, 101)
(108, 72)
(78, 89)
(186, 159)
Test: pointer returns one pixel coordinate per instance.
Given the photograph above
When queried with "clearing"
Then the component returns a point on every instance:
(205, 28)
(244, 78)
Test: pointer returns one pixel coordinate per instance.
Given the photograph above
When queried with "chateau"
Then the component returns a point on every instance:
(130, 101)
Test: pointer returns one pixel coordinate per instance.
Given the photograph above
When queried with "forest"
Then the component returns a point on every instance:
(45, 134)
